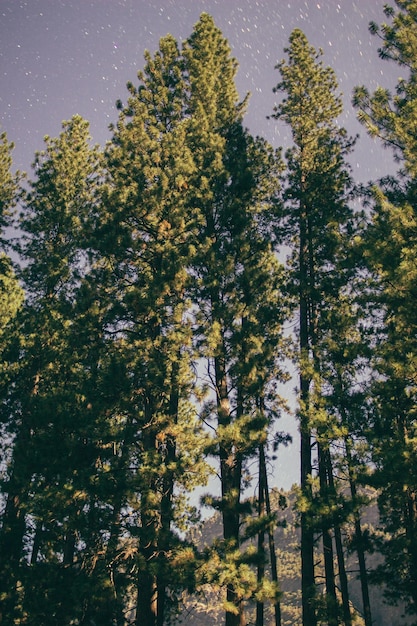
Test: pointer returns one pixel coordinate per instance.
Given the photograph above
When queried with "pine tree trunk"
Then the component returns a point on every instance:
(12, 533)
(166, 499)
(271, 541)
(411, 534)
(147, 597)
(110, 558)
(146, 611)
(344, 588)
(11, 543)
(13, 529)
(331, 599)
(308, 587)
(230, 474)
(363, 572)
(261, 536)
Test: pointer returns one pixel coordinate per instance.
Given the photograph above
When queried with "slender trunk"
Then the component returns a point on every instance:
(69, 548)
(13, 531)
(261, 536)
(331, 599)
(411, 534)
(363, 572)
(37, 540)
(308, 587)
(410, 520)
(230, 474)
(271, 541)
(344, 588)
(164, 540)
(146, 611)
(111, 561)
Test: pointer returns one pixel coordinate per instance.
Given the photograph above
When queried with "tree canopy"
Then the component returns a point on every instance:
(159, 296)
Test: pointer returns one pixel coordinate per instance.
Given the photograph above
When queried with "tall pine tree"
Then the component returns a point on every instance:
(235, 285)
(315, 215)
(389, 248)
(48, 401)
(147, 244)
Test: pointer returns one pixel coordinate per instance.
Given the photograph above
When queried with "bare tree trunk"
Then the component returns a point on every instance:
(12, 533)
(261, 537)
(271, 541)
(69, 548)
(164, 540)
(308, 586)
(344, 587)
(147, 596)
(146, 609)
(331, 599)
(230, 473)
(363, 572)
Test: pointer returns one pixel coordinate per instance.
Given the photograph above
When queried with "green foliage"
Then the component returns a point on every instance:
(235, 283)
(8, 185)
(142, 337)
(53, 405)
(389, 250)
(11, 294)
(384, 115)
(316, 222)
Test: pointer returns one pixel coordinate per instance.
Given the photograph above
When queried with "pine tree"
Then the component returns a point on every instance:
(389, 248)
(345, 366)
(147, 244)
(49, 400)
(315, 216)
(236, 285)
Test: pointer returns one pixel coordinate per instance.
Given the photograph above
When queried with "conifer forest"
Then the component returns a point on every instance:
(163, 298)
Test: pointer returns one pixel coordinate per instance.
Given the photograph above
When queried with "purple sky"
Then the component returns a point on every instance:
(62, 57)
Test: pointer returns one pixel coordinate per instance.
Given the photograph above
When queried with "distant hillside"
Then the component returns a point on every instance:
(205, 610)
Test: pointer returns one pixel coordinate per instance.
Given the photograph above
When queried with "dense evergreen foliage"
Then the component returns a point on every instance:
(315, 224)
(143, 308)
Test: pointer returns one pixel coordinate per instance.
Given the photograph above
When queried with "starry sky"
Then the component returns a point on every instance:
(64, 57)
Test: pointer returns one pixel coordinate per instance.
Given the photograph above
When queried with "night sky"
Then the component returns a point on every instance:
(64, 57)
